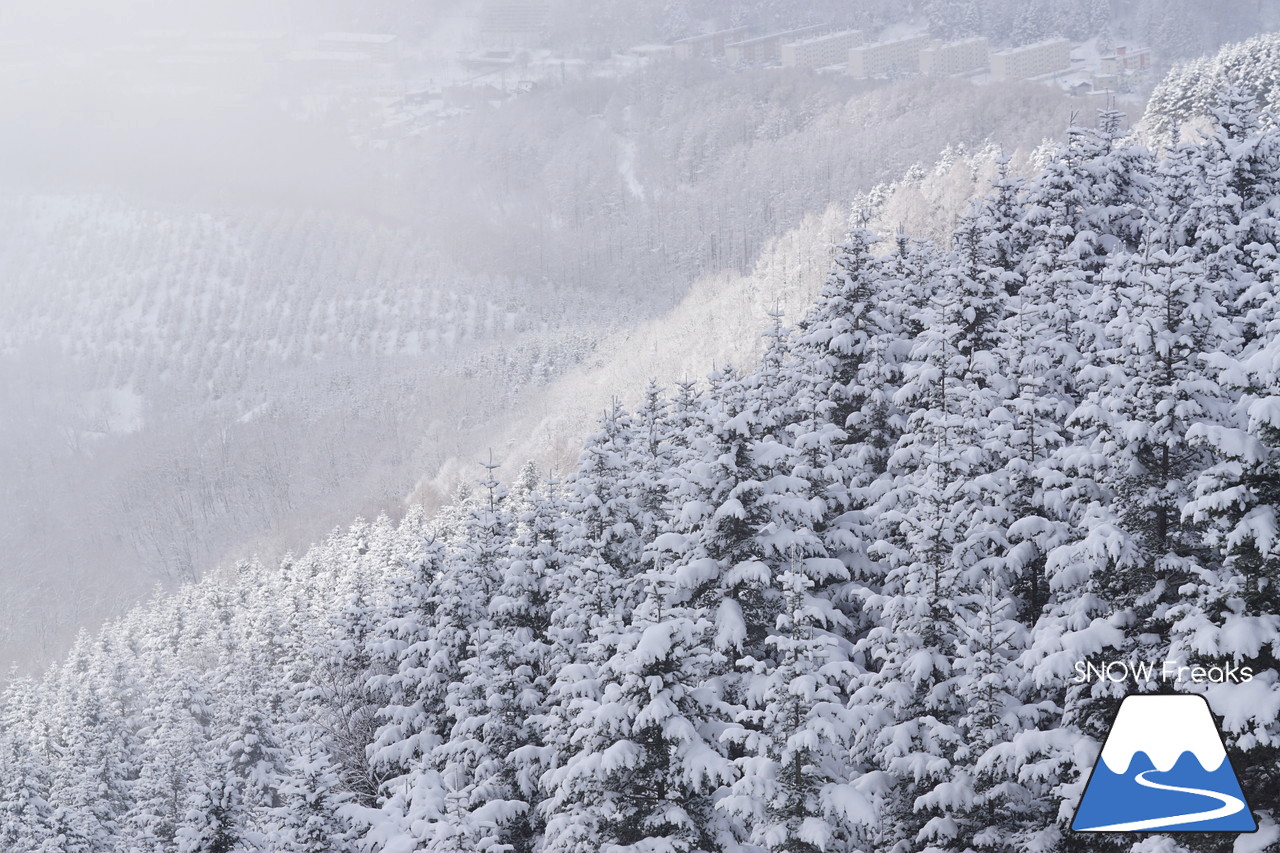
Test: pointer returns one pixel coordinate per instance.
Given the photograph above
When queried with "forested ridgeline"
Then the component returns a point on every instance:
(1191, 89)
(833, 603)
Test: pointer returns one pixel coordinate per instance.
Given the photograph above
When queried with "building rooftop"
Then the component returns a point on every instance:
(818, 38)
(1044, 43)
(778, 35)
(897, 40)
(707, 36)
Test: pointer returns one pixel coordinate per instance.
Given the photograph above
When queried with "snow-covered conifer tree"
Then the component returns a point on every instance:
(645, 763)
(797, 787)
(312, 797)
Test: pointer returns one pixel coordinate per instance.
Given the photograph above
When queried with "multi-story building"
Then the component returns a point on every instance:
(708, 46)
(899, 56)
(1125, 59)
(765, 49)
(1116, 69)
(820, 51)
(957, 57)
(1031, 60)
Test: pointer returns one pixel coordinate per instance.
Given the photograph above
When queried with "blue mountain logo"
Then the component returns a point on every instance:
(1164, 768)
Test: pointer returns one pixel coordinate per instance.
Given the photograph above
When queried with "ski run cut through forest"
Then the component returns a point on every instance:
(834, 603)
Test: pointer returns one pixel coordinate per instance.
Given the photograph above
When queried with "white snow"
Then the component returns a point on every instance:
(627, 168)
(1164, 727)
(1258, 842)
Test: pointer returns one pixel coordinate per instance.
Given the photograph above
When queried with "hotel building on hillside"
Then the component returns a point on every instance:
(1127, 59)
(1031, 60)
(946, 59)
(709, 45)
(820, 51)
(900, 56)
(762, 50)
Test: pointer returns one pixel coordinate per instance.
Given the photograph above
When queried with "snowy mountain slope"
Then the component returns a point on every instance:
(714, 324)
(832, 603)
(229, 365)
(275, 287)
(182, 384)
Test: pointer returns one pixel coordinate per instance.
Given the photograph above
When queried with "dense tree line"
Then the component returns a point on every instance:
(1190, 90)
(831, 604)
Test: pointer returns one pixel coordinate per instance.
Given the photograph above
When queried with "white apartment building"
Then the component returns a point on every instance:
(957, 57)
(1031, 60)
(820, 51)
(1127, 59)
(709, 45)
(899, 56)
(765, 49)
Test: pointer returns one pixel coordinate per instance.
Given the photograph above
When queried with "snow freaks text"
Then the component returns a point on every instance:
(1166, 672)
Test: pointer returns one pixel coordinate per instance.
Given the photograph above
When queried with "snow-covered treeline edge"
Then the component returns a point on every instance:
(831, 604)
(1189, 91)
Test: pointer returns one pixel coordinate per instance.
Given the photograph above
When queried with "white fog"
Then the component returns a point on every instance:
(250, 293)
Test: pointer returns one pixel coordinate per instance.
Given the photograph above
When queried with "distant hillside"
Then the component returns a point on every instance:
(180, 384)
(717, 321)
(233, 358)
